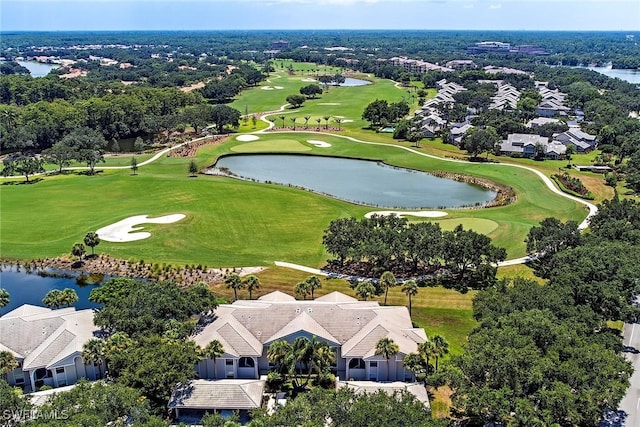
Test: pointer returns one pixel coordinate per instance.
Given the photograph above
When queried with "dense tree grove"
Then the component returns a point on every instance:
(543, 354)
(460, 259)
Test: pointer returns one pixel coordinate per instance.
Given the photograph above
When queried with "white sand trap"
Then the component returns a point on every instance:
(266, 88)
(247, 138)
(422, 214)
(328, 103)
(347, 121)
(278, 87)
(309, 80)
(320, 144)
(123, 231)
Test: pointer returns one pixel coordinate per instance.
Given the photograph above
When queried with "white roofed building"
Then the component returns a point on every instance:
(48, 345)
(352, 329)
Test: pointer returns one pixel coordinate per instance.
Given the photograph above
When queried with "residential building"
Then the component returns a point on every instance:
(541, 121)
(416, 65)
(582, 141)
(506, 98)
(352, 329)
(279, 45)
(489, 47)
(456, 133)
(48, 345)
(528, 145)
(461, 64)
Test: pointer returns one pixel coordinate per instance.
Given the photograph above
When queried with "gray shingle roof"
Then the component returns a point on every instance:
(218, 394)
(42, 336)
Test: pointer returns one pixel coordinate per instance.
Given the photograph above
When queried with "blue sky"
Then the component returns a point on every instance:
(55, 15)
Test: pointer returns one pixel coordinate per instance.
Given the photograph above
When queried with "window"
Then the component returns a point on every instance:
(246, 362)
(59, 370)
(228, 362)
(373, 364)
(356, 364)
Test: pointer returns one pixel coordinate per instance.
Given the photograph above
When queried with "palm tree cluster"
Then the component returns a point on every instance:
(8, 362)
(307, 287)
(56, 298)
(419, 363)
(304, 355)
(4, 298)
(250, 283)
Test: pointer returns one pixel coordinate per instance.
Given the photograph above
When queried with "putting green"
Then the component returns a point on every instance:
(479, 225)
(285, 145)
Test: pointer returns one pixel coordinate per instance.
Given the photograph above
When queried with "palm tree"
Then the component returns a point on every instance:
(293, 120)
(365, 290)
(326, 121)
(68, 297)
(92, 240)
(4, 298)
(338, 120)
(8, 362)
(410, 289)
(282, 118)
(425, 350)
(53, 298)
(318, 120)
(303, 289)
(314, 283)
(387, 280)
(94, 353)
(386, 348)
(234, 282)
(306, 122)
(413, 362)
(213, 350)
(280, 353)
(440, 347)
(78, 250)
(251, 282)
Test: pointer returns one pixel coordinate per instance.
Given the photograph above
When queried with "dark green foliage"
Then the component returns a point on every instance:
(572, 185)
(144, 308)
(380, 243)
(324, 408)
(295, 100)
(12, 400)
(311, 90)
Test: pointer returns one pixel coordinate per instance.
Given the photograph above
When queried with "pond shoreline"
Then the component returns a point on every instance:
(184, 276)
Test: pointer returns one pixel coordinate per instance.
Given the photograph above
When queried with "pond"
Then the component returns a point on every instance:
(350, 82)
(26, 287)
(359, 181)
(38, 69)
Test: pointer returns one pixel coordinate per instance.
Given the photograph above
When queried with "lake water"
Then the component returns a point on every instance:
(30, 288)
(361, 181)
(38, 69)
(631, 76)
(349, 82)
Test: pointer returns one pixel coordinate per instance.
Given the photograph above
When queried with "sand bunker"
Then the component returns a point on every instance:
(309, 80)
(320, 144)
(278, 87)
(422, 214)
(247, 138)
(123, 231)
(271, 87)
(347, 121)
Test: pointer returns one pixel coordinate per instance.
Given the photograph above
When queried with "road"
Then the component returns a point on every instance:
(630, 406)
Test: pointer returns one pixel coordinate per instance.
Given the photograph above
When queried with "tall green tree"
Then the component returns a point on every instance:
(365, 290)
(251, 283)
(134, 166)
(233, 281)
(387, 281)
(193, 168)
(78, 251)
(387, 348)
(88, 144)
(60, 154)
(94, 353)
(92, 240)
(22, 165)
(8, 362)
(68, 297)
(314, 283)
(213, 351)
(410, 289)
(4, 298)
(440, 347)
(53, 299)
(303, 289)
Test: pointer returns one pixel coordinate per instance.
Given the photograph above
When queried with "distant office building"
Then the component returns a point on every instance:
(489, 47)
(280, 45)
